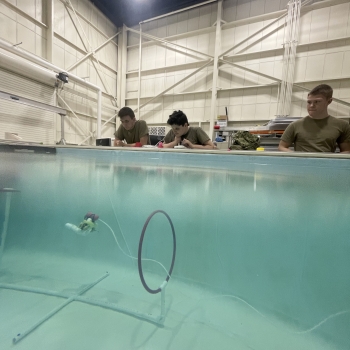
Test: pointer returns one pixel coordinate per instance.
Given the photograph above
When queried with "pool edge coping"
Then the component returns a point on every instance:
(191, 151)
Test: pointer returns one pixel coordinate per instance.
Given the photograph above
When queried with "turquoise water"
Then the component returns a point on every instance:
(264, 239)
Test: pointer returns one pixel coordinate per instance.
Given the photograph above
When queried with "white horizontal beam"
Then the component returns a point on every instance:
(173, 67)
(264, 17)
(251, 70)
(177, 36)
(87, 46)
(95, 118)
(152, 37)
(178, 11)
(296, 84)
(43, 25)
(209, 91)
(177, 83)
(23, 14)
(334, 98)
(77, 48)
(273, 15)
(247, 54)
(28, 102)
(281, 49)
(255, 19)
(75, 93)
(174, 94)
(64, 2)
(92, 53)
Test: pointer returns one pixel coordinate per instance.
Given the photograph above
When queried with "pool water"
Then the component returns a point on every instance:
(261, 261)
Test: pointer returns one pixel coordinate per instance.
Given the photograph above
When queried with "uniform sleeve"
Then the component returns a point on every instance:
(289, 134)
(169, 137)
(345, 135)
(119, 133)
(202, 136)
(143, 128)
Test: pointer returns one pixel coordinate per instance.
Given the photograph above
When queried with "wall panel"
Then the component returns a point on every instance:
(251, 97)
(30, 123)
(67, 49)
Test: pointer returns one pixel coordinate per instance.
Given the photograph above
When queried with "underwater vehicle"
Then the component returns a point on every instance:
(86, 226)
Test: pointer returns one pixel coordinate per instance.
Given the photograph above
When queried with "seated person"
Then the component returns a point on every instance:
(318, 132)
(183, 134)
(134, 132)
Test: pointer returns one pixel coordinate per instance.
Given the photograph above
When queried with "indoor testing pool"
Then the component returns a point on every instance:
(261, 261)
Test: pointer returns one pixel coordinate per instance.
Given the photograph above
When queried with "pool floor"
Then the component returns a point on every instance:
(196, 318)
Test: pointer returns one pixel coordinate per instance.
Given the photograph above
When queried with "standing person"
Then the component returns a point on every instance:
(318, 132)
(182, 133)
(134, 132)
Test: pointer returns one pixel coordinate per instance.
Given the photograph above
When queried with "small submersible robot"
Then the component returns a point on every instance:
(86, 226)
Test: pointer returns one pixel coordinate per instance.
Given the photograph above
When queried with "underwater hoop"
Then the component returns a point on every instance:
(139, 260)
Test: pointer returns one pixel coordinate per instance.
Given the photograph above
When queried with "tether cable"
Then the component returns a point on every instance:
(139, 260)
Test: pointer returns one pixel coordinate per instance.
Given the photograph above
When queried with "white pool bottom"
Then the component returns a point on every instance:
(195, 318)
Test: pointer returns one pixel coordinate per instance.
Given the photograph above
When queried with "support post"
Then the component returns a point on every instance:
(6, 221)
(140, 67)
(8, 192)
(99, 113)
(215, 69)
(62, 141)
(50, 29)
(162, 302)
(122, 55)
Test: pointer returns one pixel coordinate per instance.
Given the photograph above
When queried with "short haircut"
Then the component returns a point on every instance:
(323, 89)
(126, 111)
(177, 118)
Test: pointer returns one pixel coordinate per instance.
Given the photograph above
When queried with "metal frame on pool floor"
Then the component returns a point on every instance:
(159, 321)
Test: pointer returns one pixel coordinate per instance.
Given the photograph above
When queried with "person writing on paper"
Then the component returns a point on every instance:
(131, 132)
(182, 133)
(318, 132)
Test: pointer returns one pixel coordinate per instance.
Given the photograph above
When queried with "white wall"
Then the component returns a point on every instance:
(25, 21)
(323, 56)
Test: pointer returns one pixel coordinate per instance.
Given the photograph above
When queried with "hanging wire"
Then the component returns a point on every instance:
(290, 42)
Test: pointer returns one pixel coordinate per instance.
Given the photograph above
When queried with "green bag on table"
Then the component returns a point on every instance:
(244, 140)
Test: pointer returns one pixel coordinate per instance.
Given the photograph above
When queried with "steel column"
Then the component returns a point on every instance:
(50, 29)
(122, 57)
(215, 69)
(140, 67)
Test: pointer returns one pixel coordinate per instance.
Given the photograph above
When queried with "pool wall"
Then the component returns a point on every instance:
(243, 226)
